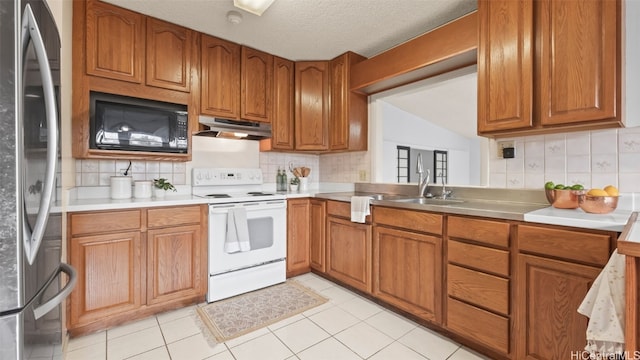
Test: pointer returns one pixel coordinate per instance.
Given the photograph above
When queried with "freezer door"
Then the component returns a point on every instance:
(10, 251)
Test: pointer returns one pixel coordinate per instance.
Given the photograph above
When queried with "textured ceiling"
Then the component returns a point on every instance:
(311, 29)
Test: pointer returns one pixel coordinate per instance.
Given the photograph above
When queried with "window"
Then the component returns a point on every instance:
(440, 163)
(403, 164)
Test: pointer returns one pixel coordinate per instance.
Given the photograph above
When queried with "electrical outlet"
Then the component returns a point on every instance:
(362, 175)
(502, 145)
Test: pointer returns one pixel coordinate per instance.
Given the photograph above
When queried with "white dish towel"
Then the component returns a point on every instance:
(237, 231)
(360, 208)
(604, 305)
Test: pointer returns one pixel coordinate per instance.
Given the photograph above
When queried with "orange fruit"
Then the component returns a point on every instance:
(612, 190)
(597, 192)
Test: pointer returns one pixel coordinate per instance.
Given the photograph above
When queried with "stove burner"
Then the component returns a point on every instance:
(259, 193)
(218, 196)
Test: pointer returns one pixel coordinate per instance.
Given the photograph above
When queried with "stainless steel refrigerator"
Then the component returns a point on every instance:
(31, 285)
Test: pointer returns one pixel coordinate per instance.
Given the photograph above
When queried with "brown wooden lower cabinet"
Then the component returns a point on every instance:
(109, 276)
(407, 270)
(134, 263)
(510, 289)
(549, 293)
(174, 263)
(297, 236)
(317, 227)
(349, 252)
(556, 266)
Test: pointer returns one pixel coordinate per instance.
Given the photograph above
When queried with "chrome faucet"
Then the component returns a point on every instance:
(445, 193)
(423, 182)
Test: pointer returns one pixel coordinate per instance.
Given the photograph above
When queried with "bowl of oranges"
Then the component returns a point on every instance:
(563, 196)
(600, 201)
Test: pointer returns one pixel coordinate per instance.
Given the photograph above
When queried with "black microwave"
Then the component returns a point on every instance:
(131, 124)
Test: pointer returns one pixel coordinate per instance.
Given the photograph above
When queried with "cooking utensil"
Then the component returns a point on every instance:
(305, 171)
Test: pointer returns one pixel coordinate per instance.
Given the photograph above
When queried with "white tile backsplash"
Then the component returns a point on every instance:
(591, 158)
(99, 172)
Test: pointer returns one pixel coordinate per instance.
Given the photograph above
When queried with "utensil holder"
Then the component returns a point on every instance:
(304, 183)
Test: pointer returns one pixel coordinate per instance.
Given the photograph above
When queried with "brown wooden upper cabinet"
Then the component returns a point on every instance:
(168, 55)
(236, 81)
(220, 74)
(282, 120)
(312, 105)
(348, 123)
(548, 65)
(256, 94)
(115, 42)
(125, 45)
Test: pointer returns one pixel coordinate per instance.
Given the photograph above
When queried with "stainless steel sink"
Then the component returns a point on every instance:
(430, 201)
(386, 196)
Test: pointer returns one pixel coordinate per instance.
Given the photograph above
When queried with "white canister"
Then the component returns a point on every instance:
(304, 184)
(142, 189)
(121, 187)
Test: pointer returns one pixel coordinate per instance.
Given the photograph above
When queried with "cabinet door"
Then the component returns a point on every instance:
(408, 271)
(220, 85)
(168, 61)
(175, 269)
(318, 210)
(110, 276)
(349, 253)
(578, 57)
(312, 105)
(348, 122)
(256, 94)
(548, 294)
(297, 236)
(115, 42)
(282, 128)
(505, 65)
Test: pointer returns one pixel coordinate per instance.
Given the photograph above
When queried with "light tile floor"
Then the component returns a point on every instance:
(346, 327)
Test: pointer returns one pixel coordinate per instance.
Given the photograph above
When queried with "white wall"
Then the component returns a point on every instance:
(402, 128)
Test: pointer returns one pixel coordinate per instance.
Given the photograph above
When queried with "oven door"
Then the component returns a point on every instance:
(267, 222)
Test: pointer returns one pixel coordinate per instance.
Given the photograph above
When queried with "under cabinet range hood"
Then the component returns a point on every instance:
(234, 129)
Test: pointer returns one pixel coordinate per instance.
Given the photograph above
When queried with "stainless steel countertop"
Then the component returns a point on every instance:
(501, 209)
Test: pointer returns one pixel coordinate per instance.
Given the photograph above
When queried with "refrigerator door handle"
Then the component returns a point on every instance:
(30, 30)
(57, 299)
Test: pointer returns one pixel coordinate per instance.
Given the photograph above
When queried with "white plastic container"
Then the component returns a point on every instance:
(121, 187)
(142, 189)
(304, 184)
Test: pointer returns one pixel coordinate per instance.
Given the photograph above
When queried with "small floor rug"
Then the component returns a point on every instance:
(239, 315)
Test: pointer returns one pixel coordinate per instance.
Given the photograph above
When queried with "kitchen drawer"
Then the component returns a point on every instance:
(342, 209)
(479, 257)
(480, 325)
(339, 208)
(488, 291)
(484, 231)
(172, 216)
(408, 219)
(581, 246)
(105, 222)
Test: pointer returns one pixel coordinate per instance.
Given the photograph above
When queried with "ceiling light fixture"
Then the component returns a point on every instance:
(256, 7)
(234, 17)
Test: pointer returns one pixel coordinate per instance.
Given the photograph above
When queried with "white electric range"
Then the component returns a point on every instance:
(263, 261)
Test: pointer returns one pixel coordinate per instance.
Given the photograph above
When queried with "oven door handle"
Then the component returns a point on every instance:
(224, 208)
